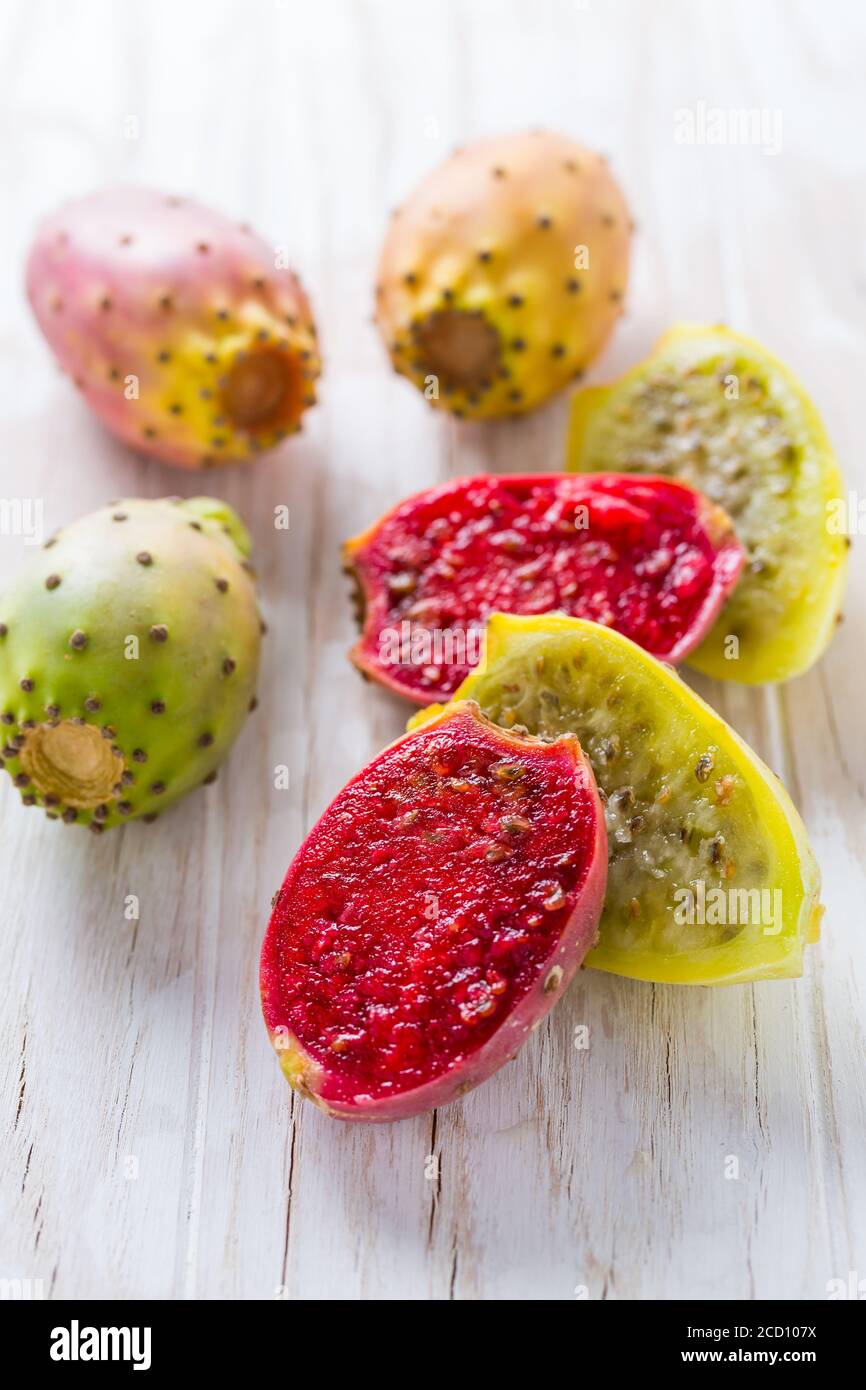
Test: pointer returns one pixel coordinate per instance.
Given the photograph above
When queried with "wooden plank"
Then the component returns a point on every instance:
(152, 1147)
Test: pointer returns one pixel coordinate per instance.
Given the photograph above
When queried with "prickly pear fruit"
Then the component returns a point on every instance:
(711, 879)
(432, 917)
(720, 412)
(129, 651)
(649, 557)
(503, 274)
(175, 325)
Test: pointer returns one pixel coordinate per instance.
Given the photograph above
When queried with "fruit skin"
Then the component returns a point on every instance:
(630, 697)
(788, 601)
(126, 735)
(382, 897)
(670, 559)
(491, 236)
(160, 297)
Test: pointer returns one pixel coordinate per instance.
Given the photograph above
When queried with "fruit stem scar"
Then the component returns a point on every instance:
(462, 349)
(263, 388)
(72, 762)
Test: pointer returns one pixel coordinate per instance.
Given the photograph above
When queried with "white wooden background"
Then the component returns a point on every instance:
(149, 1145)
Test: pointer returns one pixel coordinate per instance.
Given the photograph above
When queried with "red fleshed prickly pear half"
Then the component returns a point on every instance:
(652, 558)
(174, 323)
(433, 916)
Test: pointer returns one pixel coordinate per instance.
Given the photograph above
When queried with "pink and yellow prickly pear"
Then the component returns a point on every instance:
(175, 324)
(502, 276)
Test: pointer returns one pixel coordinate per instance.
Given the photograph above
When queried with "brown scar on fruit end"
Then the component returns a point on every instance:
(263, 389)
(72, 762)
(462, 349)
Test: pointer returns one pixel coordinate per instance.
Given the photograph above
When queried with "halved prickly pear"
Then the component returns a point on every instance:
(716, 410)
(503, 274)
(129, 651)
(711, 878)
(178, 326)
(648, 556)
(433, 916)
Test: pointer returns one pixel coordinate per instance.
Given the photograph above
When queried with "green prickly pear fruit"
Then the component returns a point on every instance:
(503, 274)
(129, 651)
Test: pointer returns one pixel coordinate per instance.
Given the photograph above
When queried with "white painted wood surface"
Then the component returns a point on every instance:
(149, 1145)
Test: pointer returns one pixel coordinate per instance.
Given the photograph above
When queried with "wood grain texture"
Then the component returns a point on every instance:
(149, 1145)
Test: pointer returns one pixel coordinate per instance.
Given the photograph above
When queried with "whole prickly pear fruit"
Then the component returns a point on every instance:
(129, 650)
(175, 325)
(502, 276)
(433, 916)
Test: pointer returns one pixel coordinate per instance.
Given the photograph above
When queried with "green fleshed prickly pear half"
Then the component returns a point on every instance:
(503, 274)
(716, 410)
(129, 651)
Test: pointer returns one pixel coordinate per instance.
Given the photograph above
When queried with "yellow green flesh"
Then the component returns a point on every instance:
(689, 807)
(715, 410)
